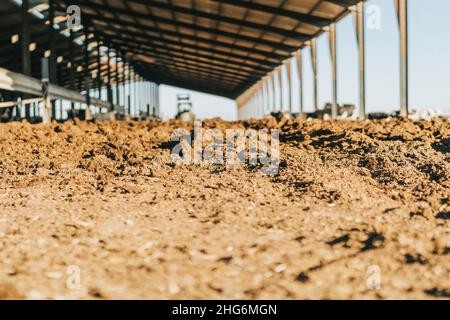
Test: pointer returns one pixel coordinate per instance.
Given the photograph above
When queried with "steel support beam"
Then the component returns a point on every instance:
(72, 69)
(139, 93)
(87, 75)
(178, 68)
(25, 39)
(135, 94)
(266, 95)
(151, 98)
(16, 82)
(148, 100)
(99, 71)
(289, 84)
(261, 99)
(404, 63)
(360, 31)
(280, 86)
(343, 3)
(300, 77)
(188, 83)
(257, 104)
(158, 44)
(45, 78)
(313, 48)
(177, 23)
(209, 74)
(129, 88)
(117, 79)
(300, 17)
(108, 87)
(25, 45)
(333, 53)
(182, 36)
(143, 97)
(52, 47)
(252, 107)
(263, 96)
(274, 97)
(157, 100)
(168, 54)
(123, 82)
(226, 19)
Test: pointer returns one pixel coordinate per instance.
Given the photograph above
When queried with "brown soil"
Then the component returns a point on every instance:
(106, 197)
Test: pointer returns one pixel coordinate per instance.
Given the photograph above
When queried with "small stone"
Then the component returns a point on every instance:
(280, 268)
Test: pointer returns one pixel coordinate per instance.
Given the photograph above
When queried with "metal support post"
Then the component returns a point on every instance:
(25, 37)
(333, 53)
(402, 8)
(300, 77)
(280, 86)
(289, 84)
(313, 48)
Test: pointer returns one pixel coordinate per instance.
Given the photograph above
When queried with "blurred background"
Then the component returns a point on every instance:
(429, 65)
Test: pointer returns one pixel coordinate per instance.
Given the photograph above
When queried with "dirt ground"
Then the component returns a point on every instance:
(99, 211)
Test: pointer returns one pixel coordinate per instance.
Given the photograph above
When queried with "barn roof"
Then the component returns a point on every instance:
(220, 47)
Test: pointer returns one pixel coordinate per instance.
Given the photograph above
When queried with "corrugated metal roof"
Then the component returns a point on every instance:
(217, 46)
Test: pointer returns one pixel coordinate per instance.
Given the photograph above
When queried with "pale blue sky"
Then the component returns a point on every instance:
(429, 65)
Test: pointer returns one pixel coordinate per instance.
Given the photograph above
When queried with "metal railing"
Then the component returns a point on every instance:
(16, 82)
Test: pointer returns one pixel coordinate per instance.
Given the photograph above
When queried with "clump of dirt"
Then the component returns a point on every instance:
(99, 210)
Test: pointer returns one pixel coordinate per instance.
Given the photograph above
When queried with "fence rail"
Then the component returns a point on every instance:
(13, 81)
